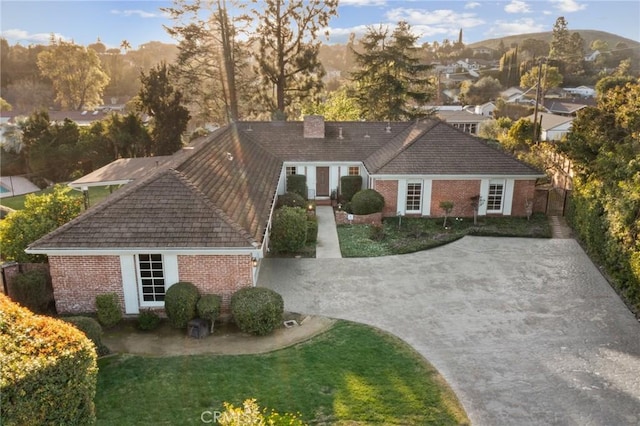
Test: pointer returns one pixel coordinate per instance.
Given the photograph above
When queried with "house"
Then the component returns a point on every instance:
(464, 120)
(205, 215)
(552, 127)
(514, 95)
(584, 91)
(557, 107)
(592, 56)
(485, 109)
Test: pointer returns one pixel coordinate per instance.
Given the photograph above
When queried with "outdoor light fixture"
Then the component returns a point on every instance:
(254, 262)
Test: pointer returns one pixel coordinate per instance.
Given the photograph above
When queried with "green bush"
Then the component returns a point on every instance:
(180, 303)
(349, 186)
(312, 229)
(257, 310)
(92, 329)
(291, 199)
(48, 371)
(31, 290)
(376, 233)
(209, 308)
(297, 184)
(148, 320)
(367, 201)
(289, 229)
(108, 309)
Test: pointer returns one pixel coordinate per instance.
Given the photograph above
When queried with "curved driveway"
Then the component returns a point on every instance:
(526, 331)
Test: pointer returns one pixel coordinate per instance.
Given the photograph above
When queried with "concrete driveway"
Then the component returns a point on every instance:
(526, 331)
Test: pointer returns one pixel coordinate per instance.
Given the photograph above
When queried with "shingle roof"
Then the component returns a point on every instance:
(220, 195)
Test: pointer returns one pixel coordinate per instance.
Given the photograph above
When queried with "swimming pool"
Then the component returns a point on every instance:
(3, 190)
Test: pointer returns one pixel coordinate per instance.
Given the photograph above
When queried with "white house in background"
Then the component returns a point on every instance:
(585, 91)
(513, 95)
(485, 109)
(464, 120)
(552, 127)
(592, 56)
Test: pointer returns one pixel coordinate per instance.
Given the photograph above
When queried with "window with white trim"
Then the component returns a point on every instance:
(151, 278)
(354, 171)
(291, 170)
(414, 197)
(495, 197)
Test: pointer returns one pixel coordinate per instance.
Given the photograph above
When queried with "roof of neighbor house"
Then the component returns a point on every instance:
(220, 194)
(463, 116)
(121, 171)
(551, 121)
(566, 108)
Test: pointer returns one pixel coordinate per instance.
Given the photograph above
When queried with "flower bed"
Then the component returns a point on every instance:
(342, 218)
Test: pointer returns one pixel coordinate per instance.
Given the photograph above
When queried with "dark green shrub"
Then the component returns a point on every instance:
(367, 201)
(180, 303)
(31, 290)
(291, 199)
(312, 229)
(289, 229)
(376, 233)
(148, 320)
(257, 310)
(92, 329)
(48, 371)
(209, 308)
(108, 309)
(297, 184)
(349, 186)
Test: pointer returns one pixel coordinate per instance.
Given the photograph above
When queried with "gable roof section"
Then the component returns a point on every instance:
(121, 171)
(550, 121)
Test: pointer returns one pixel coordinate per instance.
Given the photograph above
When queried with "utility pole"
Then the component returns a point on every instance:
(535, 108)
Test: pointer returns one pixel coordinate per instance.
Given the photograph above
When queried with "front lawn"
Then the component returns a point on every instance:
(407, 235)
(351, 374)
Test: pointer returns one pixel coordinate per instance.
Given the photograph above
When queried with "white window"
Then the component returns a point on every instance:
(495, 198)
(414, 197)
(291, 170)
(151, 279)
(354, 171)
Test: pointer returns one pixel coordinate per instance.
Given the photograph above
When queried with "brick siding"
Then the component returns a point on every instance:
(358, 219)
(523, 191)
(389, 190)
(458, 191)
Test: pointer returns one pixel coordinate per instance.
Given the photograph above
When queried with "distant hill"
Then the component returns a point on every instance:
(588, 35)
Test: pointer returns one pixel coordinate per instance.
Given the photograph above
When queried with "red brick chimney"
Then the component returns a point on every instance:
(314, 127)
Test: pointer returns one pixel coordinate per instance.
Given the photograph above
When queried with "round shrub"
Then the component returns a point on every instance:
(30, 289)
(92, 329)
(367, 201)
(209, 308)
(289, 230)
(148, 320)
(180, 303)
(108, 309)
(291, 199)
(48, 371)
(257, 310)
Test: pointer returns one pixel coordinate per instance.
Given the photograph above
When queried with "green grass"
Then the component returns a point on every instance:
(96, 194)
(414, 234)
(349, 375)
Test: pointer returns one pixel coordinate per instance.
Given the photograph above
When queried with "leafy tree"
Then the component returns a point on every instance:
(483, 90)
(495, 129)
(340, 105)
(566, 48)
(599, 45)
(162, 101)
(5, 106)
(509, 68)
(55, 155)
(391, 82)
(549, 79)
(76, 73)
(535, 47)
(287, 50)
(519, 136)
(29, 95)
(41, 215)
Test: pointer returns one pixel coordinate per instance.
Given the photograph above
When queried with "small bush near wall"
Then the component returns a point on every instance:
(180, 303)
(291, 199)
(108, 309)
(257, 310)
(92, 329)
(148, 320)
(349, 185)
(48, 371)
(367, 201)
(30, 289)
(312, 229)
(209, 308)
(297, 184)
(289, 230)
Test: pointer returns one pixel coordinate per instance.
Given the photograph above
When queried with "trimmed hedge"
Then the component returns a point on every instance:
(297, 184)
(108, 309)
(289, 230)
(257, 310)
(92, 329)
(148, 320)
(312, 229)
(180, 303)
(349, 186)
(291, 199)
(48, 371)
(367, 201)
(30, 289)
(209, 307)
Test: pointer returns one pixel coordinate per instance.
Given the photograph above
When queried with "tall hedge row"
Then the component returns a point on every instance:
(48, 370)
(297, 184)
(349, 185)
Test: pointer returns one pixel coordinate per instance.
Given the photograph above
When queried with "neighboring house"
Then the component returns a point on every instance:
(592, 56)
(552, 127)
(483, 50)
(464, 120)
(584, 91)
(485, 109)
(562, 108)
(205, 215)
(513, 95)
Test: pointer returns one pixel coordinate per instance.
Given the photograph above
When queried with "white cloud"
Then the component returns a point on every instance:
(472, 5)
(138, 12)
(568, 5)
(519, 26)
(439, 18)
(14, 36)
(517, 6)
(363, 2)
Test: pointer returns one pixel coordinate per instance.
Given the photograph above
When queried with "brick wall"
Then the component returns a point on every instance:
(358, 219)
(221, 275)
(77, 280)
(523, 191)
(389, 190)
(314, 126)
(458, 191)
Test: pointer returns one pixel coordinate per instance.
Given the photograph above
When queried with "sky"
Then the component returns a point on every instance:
(140, 21)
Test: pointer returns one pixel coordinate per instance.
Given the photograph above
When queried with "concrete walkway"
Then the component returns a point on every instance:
(526, 331)
(328, 246)
(559, 227)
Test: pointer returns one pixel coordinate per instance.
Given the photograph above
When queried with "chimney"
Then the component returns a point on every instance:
(314, 127)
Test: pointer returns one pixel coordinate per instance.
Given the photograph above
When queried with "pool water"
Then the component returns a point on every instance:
(3, 189)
